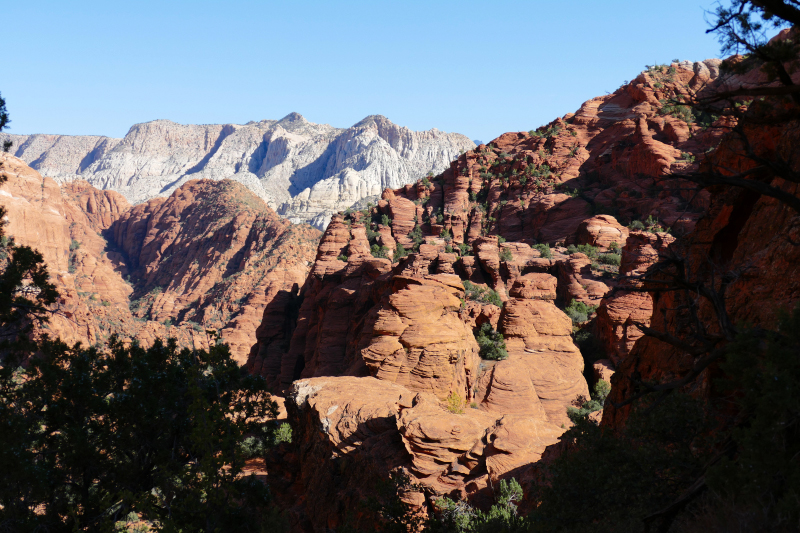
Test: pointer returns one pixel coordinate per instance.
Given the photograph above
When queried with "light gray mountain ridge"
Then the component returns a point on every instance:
(304, 171)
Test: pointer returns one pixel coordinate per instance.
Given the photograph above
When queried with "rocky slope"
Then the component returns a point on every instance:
(305, 171)
(211, 256)
(378, 351)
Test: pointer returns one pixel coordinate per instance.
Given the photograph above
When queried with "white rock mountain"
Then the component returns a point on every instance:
(304, 171)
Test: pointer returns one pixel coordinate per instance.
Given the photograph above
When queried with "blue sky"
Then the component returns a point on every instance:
(478, 68)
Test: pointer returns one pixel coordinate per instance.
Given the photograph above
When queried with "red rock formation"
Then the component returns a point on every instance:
(213, 256)
(156, 245)
(622, 309)
(749, 238)
(401, 322)
(601, 231)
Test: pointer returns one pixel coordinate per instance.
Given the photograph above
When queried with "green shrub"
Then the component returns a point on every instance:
(579, 311)
(371, 234)
(481, 294)
(492, 343)
(636, 225)
(460, 517)
(455, 403)
(614, 247)
(283, 433)
(426, 182)
(400, 252)
(465, 248)
(342, 258)
(385, 220)
(610, 259)
(74, 245)
(544, 250)
(588, 249)
(601, 390)
(416, 236)
(506, 255)
(380, 252)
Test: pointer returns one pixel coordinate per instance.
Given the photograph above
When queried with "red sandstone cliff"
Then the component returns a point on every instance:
(212, 256)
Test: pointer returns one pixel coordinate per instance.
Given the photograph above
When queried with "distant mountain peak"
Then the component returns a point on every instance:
(293, 117)
(374, 119)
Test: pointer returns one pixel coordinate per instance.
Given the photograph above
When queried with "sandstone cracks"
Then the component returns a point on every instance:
(415, 337)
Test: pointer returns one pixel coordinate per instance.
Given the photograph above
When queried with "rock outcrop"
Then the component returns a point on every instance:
(386, 312)
(305, 171)
(212, 256)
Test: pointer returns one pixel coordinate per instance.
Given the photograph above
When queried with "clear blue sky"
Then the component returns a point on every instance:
(478, 68)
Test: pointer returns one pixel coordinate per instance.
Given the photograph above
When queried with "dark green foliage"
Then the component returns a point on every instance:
(416, 236)
(546, 132)
(579, 311)
(342, 258)
(610, 259)
(371, 234)
(544, 250)
(542, 172)
(91, 435)
(763, 373)
(460, 517)
(445, 234)
(636, 225)
(4, 120)
(385, 220)
(74, 245)
(480, 294)
(588, 249)
(595, 403)
(492, 343)
(677, 109)
(608, 482)
(400, 252)
(380, 252)
(426, 182)
(506, 255)
(465, 248)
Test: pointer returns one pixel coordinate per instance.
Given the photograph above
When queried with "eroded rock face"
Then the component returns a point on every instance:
(211, 256)
(415, 337)
(601, 231)
(305, 171)
(622, 309)
(577, 281)
(352, 431)
(214, 256)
